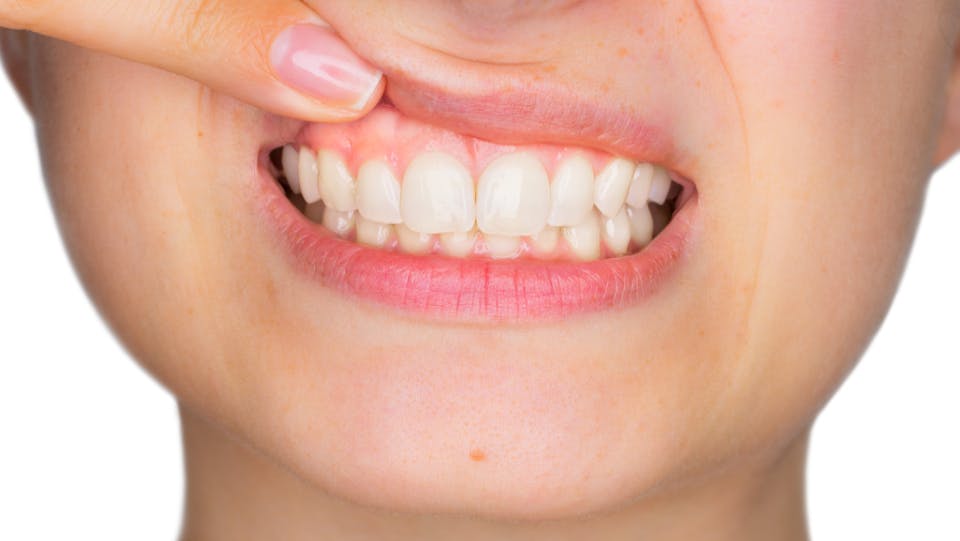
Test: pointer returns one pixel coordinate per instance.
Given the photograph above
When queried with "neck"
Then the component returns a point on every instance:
(235, 493)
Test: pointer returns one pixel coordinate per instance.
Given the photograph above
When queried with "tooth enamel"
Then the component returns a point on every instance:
(413, 242)
(659, 186)
(314, 211)
(641, 224)
(307, 173)
(640, 185)
(290, 159)
(437, 195)
(513, 196)
(371, 233)
(338, 221)
(616, 233)
(571, 192)
(544, 243)
(378, 193)
(502, 246)
(610, 188)
(458, 244)
(337, 188)
(584, 238)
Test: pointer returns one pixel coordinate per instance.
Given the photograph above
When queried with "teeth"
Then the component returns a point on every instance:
(513, 196)
(584, 238)
(502, 246)
(610, 189)
(640, 185)
(307, 173)
(571, 192)
(659, 186)
(544, 243)
(371, 233)
(337, 188)
(437, 195)
(338, 221)
(458, 244)
(641, 224)
(290, 159)
(413, 242)
(616, 233)
(378, 193)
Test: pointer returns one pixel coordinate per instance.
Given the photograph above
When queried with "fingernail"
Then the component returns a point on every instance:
(317, 62)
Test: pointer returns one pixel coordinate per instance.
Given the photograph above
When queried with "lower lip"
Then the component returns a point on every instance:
(473, 290)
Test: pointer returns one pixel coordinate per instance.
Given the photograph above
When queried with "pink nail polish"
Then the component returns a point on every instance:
(316, 61)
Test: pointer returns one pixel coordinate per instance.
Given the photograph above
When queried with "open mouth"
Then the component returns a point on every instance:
(472, 227)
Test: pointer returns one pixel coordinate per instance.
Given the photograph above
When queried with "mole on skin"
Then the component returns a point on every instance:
(477, 455)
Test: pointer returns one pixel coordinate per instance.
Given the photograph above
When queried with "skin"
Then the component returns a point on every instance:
(810, 128)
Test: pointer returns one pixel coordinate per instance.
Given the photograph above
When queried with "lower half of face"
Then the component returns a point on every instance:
(542, 277)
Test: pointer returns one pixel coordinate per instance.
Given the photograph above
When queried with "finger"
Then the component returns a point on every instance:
(277, 55)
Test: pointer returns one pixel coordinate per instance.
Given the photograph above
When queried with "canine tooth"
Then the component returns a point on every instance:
(571, 192)
(314, 212)
(659, 186)
(307, 173)
(338, 221)
(513, 196)
(437, 195)
(640, 185)
(337, 187)
(584, 238)
(616, 233)
(413, 242)
(610, 188)
(373, 233)
(545, 242)
(290, 159)
(378, 193)
(502, 246)
(641, 224)
(458, 244)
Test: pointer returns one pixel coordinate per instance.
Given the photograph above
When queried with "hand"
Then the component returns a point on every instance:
(275, 54)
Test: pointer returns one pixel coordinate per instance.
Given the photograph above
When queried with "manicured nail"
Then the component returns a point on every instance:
(316, 61)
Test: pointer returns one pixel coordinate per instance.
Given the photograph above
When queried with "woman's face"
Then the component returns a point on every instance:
(803, 133)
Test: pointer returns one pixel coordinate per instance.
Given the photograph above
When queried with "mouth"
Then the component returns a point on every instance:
(437, 224)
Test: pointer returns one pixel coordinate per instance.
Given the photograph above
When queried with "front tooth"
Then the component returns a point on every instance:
(616, 233)
(458, 244)
(307, 173)
(413, 242)
(378, 193)
(610, 189)
(584, 238)
(337, 188)
(373, 233)
(659, 186)
(290, 159)
(639, 190)
(437, 195)
(502, 246)
(641, 224)
(513, 196)
(544, 243)
(338, 221)
(571, 192)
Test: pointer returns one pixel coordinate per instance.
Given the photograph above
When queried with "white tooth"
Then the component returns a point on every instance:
(659, 186)
(437, 195)
(571, 192)
(413, 242)
(290, 159)
(641, 224)
(640, 185)
(314, 212)
(337, 188)
(584, 238)
(307, 173)
(373, 233)
(545, 242)
(616, 233)
(378, 193)
(458, 244)
(338, 221)
(610, 189)
(513, 196)
(502, 246)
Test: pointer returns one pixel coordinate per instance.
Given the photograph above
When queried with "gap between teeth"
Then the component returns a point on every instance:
(513, 209)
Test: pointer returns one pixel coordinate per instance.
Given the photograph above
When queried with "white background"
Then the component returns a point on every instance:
(90, 444)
